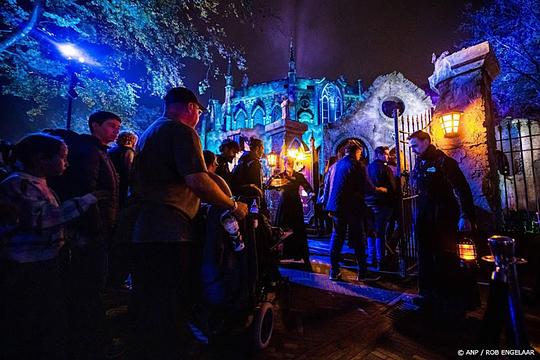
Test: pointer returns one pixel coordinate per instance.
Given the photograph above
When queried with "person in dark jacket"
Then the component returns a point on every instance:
(122, 156)
(347, 208)
(444, 207)
(325, 222)
(84, 261)
(228, 148)
(290, 212)
(381, 205)
(247, 175)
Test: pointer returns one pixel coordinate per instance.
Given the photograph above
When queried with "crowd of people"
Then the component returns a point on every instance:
(78, 216)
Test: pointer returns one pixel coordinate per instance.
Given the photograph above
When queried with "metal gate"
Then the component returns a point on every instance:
(404, 126)
(518, 160)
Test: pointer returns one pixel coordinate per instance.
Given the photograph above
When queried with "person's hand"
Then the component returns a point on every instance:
(241, 211)
(381, 190)
(102, 194)
(464, 225)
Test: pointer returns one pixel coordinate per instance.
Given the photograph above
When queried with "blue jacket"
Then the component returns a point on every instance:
(349, 187)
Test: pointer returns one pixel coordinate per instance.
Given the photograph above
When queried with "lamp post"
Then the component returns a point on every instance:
(72, 54)
(450, 123)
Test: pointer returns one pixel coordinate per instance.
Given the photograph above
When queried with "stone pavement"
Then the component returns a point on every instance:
(351, 320)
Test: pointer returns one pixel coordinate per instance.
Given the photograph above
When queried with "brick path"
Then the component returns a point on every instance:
(334, 321)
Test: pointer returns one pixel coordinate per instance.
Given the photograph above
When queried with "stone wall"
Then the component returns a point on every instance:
(464, 85)
(368, 123)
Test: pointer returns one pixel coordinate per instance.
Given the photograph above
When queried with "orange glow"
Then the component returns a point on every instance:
(272, 159)
(450, 124)
(467, 250)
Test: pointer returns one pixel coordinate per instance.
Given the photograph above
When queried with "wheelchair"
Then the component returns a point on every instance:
(238, 290)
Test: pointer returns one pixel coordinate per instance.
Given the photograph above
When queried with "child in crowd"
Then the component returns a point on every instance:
(32, 324)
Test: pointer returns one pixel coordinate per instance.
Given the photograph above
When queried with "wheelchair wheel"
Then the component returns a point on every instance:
(263, 325)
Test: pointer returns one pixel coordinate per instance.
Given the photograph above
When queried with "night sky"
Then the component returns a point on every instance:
(359, 39)
(356, 38)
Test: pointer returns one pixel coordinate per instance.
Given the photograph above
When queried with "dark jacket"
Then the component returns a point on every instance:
(247, 172)
(90, 169)
(349, 187)
(122, 158)
(381, 175)
(443, 192)
(223, 169)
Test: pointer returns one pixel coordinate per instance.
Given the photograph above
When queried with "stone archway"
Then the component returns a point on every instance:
(340, 147)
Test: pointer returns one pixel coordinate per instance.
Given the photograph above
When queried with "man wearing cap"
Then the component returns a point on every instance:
(170, 179)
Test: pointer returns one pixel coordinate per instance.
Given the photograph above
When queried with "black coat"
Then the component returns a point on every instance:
(122, 158)
(223, 169)
(90, 169)
(290, 214)
(349, 186)
(247, 172)
(443, 197)
(381, 175)
(443, 192)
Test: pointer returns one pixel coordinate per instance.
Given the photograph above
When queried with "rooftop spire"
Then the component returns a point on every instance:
(228, 76)
(292, 63)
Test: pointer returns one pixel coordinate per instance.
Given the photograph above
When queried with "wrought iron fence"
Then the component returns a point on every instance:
(518, 160)
(404, 126)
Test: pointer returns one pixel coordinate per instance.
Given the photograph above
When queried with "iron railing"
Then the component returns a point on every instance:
(518, 160)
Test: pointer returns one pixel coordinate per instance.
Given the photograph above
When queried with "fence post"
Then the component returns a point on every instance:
(504, 309)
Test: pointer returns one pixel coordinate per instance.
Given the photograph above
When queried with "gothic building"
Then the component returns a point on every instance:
(289, 112)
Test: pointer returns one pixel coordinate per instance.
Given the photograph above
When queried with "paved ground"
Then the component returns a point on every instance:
(351, 320)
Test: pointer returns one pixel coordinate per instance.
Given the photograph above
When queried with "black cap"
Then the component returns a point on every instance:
(182, 95)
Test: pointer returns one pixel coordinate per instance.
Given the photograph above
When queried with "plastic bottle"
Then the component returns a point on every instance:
(254, 209)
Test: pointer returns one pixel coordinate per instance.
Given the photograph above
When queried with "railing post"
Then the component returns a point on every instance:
(504, 303)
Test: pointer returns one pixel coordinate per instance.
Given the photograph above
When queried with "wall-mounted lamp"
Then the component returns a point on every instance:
(450, 123)
(271, 158)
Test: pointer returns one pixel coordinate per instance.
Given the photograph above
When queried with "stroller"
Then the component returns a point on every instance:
(239, 285)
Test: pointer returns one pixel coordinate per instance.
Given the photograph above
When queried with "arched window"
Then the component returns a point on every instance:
(257, 116)
(276, 113)
(331, 104)
(339, 107)
(240, 119)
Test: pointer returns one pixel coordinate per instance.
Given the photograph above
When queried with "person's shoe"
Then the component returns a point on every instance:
(365, 276)
(336, 276)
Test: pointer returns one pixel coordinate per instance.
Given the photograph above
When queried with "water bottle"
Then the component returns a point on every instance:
(254, 209)
(230, 224)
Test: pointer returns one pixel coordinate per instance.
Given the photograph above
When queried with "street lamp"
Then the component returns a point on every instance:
(71, 53)
(450, 123)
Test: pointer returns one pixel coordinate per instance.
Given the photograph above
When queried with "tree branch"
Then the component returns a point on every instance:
(23, 31)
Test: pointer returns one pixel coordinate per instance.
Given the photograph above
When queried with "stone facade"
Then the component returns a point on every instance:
(330, 111)
(467, 89)
(368, 123)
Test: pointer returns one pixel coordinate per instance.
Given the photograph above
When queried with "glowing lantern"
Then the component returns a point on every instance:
(271, 158)
(450, 123)
(466, 251)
